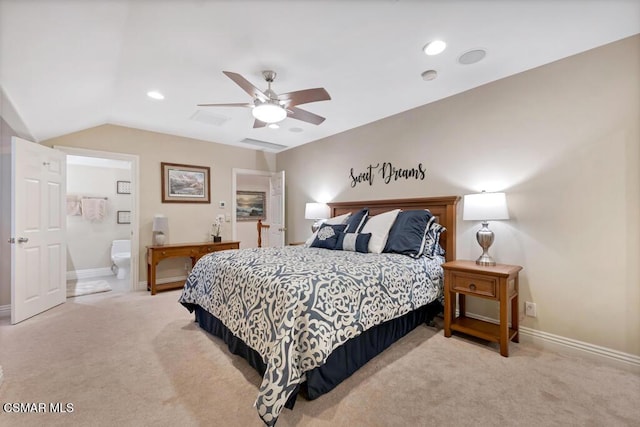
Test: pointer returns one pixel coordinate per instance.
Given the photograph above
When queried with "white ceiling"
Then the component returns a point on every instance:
(67, 65)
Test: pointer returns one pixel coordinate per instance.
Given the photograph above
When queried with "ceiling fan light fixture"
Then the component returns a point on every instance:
(269, 112)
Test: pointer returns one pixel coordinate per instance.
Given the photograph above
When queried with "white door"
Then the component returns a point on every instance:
(38, 225)
(276, 210)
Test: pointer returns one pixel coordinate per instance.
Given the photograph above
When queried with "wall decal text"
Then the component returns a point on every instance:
(387, 172)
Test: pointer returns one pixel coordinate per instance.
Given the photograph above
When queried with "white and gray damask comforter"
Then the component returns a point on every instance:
(294, 305)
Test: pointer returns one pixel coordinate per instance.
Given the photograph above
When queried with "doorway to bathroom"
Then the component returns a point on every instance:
(102, 221)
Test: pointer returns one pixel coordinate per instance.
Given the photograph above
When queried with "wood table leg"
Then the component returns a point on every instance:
(504, 321)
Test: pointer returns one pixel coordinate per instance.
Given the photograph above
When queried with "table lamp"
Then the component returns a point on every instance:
(160, 229)
(485, 207)
(317, 211)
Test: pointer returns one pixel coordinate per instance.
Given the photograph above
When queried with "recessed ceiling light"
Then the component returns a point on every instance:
(472, 56)
(273, 126)
(296, 130)
(435, 47)
(155, 94)
(429, 75)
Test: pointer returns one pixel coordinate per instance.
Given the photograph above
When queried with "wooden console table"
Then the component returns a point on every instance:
(195, 251)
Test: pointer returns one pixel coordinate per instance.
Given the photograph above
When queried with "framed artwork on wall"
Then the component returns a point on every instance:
(185, 183)
(250, 205)
(123, 187)
(124, 217)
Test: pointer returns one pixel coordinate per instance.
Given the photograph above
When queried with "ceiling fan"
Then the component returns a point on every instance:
(269, 108)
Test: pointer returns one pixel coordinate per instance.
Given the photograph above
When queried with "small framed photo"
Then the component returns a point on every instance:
(124, 217)
(123, 187)
(185, 183)
(250, 205)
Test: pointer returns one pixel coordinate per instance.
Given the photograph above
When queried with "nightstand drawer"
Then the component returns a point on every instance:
(475, 284)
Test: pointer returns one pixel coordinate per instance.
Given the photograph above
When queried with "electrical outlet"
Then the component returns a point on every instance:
(187, 266)
(530, 309)
(220, 217)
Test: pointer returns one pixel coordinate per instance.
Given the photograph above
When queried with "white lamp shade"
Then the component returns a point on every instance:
(269, 112)
(160, 224)
(316, 211)
(485, 206)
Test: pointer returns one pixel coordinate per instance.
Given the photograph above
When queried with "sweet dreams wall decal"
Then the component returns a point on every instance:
(387, 172)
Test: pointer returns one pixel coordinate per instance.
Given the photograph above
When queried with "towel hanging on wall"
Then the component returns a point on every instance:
(73, 205)
(94, 209)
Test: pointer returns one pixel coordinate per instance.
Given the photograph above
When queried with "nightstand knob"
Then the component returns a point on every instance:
(164, 252)
(472, 286)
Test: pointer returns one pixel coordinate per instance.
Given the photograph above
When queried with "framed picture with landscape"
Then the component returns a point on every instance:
(250, 205)
(185, 183)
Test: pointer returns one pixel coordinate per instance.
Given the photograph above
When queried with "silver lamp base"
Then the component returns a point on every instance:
(485, 240)
(316, 225)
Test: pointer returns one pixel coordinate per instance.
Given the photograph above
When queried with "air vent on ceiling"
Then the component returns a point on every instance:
(263, 144)
(209, 118)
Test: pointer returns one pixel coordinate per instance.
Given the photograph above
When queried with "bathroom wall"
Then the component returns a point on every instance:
(89, 242)
(246, 231)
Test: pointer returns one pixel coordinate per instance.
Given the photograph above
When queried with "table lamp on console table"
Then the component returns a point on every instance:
(160, 229)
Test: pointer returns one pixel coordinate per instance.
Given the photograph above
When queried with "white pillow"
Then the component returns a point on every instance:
(379, 226)
(336, 220)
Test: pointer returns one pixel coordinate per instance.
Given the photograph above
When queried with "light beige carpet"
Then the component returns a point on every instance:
(86, 287)
(131, 359)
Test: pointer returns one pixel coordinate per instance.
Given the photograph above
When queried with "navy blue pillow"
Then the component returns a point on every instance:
(356, 221)
(327, 236)
(408, 235)
(355, 242)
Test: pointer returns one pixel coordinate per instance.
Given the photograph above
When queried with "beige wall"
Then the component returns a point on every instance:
(188, 222)
(562, 141)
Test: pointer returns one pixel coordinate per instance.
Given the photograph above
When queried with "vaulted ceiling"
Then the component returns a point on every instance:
(67, 65)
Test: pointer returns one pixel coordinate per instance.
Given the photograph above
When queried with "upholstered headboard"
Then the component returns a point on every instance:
(443, 208)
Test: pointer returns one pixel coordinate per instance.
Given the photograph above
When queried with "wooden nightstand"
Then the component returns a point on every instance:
(498, 283)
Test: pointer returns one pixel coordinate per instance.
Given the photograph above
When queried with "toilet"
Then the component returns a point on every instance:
(121, 257)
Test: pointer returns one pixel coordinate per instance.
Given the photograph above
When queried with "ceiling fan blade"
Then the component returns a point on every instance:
(258, 124)
(246, 85)
(243, 104)
(305, 96)
(305, 116)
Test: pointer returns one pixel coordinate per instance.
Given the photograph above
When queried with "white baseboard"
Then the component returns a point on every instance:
(142, 285)
(5, 310)
(573, 347)
(89, 273)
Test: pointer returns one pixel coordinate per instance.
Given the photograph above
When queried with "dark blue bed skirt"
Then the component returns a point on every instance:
(342, 362)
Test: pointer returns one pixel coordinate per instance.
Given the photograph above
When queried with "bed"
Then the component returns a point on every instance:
(306, 318)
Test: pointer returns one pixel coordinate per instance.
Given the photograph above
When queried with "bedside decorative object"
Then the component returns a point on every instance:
(484, 207)
(160, 229)
(318, 212)
(498, 283)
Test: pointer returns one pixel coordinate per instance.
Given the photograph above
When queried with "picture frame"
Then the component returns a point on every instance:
(123, 187)
(185, 183)
(250, 205)
(124, 217)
